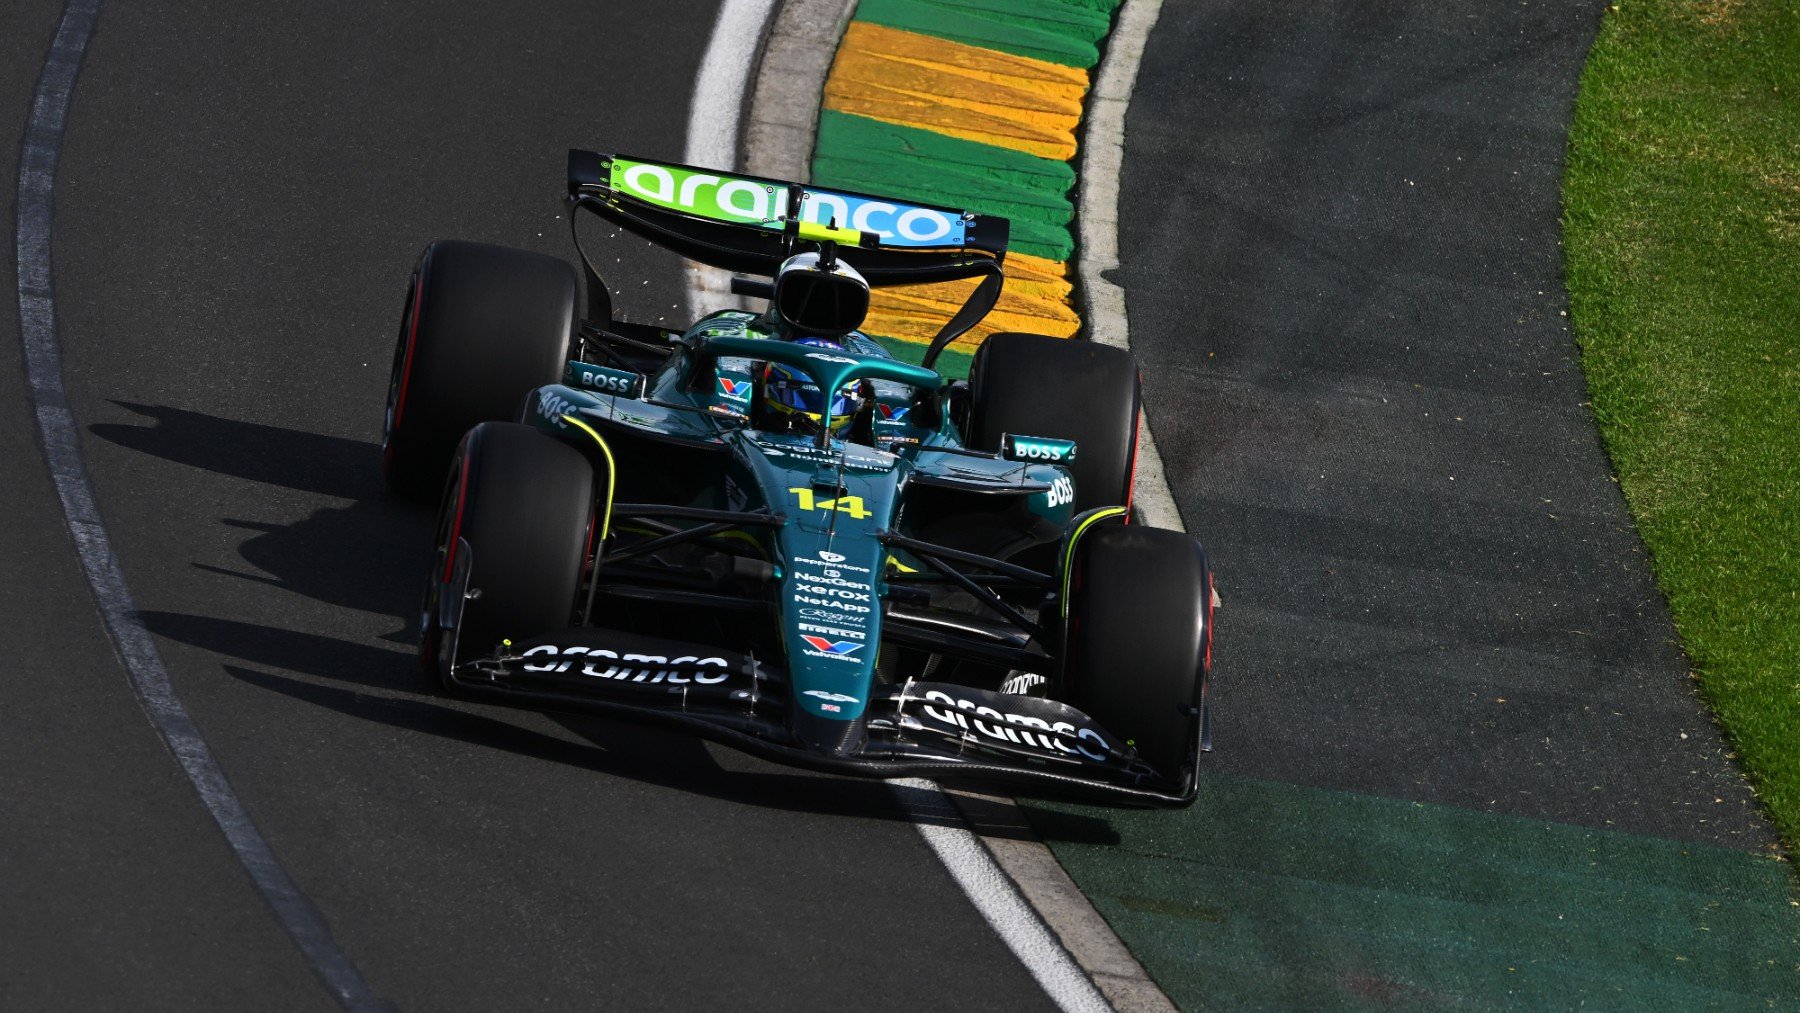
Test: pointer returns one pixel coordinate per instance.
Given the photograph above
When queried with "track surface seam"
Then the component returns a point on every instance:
(149, 678)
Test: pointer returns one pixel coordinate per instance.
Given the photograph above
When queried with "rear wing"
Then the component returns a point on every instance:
(749, 225)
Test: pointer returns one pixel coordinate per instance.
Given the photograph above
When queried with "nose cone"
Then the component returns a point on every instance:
(832, 629)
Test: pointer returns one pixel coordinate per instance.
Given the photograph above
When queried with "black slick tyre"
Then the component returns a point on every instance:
(1032, 385)
(483, 326)
(1140, 620)
(522, 502)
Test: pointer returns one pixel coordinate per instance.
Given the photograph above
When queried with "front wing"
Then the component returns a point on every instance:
(911, 729)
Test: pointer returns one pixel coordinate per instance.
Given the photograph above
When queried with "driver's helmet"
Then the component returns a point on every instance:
(792, 394)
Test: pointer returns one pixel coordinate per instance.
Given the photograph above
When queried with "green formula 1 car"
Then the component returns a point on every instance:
(767, 530)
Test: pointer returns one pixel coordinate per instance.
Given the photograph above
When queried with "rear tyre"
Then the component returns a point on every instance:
(524, 502)
(1032, 385)
(483, 326)
(1140, 620)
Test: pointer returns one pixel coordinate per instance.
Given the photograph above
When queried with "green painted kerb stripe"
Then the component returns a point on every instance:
(1057, 31)
(858, 153)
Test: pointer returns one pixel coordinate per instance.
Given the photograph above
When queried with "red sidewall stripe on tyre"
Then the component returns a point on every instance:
(462, 501)
(406, 357)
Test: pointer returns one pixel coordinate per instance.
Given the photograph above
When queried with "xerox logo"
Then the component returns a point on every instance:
(843, 648)
(808, 589)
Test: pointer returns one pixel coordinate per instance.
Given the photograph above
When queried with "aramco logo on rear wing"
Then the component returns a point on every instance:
(764, 203)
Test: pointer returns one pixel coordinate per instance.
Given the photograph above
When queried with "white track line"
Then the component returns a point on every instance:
(62, 452)
(1102, 162)
(802, 43)
(995, 896)
(713, 117)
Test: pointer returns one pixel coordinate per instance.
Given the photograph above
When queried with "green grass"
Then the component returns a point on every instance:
(1682, 226)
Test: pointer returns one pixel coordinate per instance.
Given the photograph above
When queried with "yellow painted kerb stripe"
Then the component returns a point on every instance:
(1035, 299)
(952, 88)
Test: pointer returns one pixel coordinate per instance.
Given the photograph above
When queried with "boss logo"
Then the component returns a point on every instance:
(1037, 448)
(553, 407)
(610, 383)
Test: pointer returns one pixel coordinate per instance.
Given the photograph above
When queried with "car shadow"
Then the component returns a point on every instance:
(380, 684)
(367, 555)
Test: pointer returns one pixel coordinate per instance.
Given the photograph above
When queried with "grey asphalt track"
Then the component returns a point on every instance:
(1340, 249)
(241, 195)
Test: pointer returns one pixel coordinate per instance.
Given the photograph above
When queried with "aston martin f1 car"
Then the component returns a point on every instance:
(769, 531)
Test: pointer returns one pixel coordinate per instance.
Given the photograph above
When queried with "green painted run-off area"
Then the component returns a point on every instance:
(1266, 895)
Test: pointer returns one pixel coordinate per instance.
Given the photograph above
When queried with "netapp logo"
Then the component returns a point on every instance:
(634, 667)
(1015, 729)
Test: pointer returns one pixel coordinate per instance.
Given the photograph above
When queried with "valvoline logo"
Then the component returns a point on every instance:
(738, 390)
(889, 413)
(843, 648)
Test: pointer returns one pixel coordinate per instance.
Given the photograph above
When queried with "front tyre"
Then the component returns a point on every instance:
(483, 326)
(1140, 622)
(1062, 389)
(521, 502)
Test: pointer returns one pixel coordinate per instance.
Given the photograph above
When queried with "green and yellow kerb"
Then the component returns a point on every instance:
(973, 105)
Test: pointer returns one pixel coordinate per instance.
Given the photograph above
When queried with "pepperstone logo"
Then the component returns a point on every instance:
(725, 198)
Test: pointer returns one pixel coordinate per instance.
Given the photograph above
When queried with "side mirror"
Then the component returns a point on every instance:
(1036, 449)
